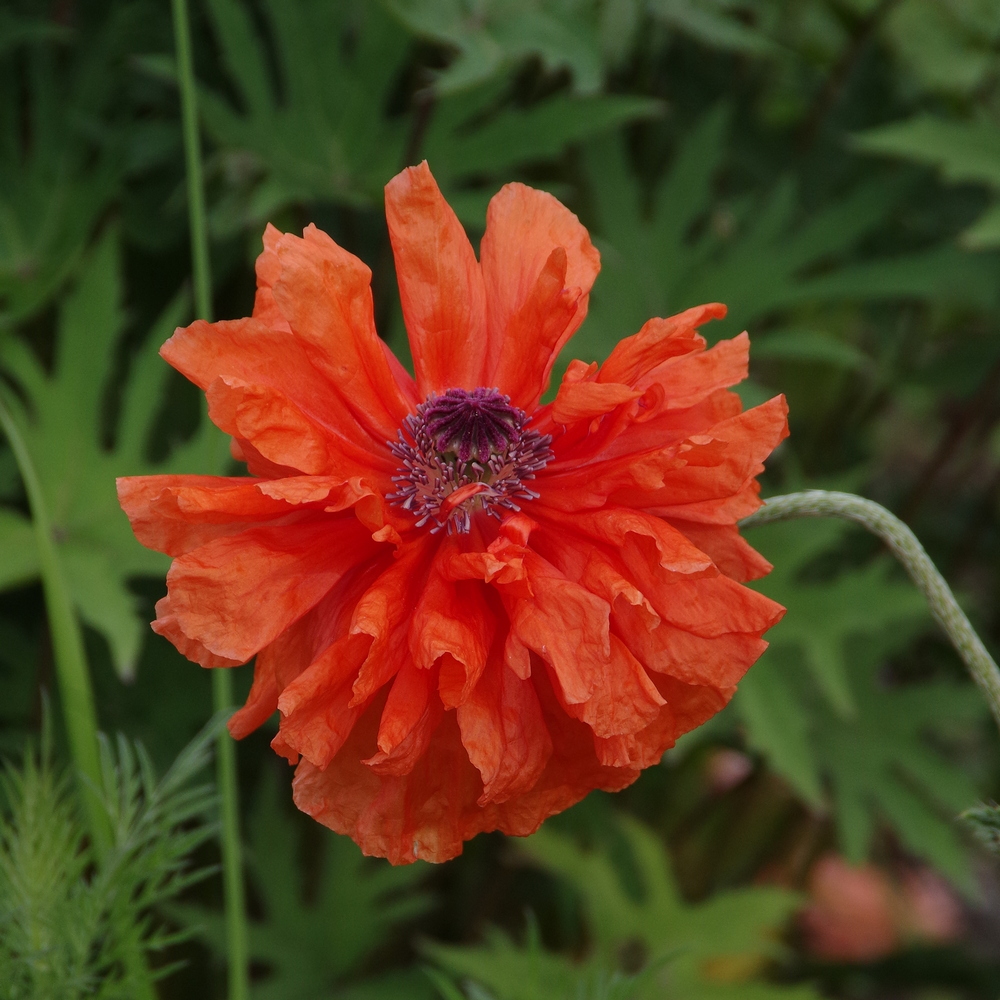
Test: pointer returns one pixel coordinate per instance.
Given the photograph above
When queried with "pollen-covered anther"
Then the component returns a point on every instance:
(462, 452)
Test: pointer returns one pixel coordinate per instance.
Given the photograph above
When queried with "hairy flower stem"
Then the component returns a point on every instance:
(908, 550)
(222, 686)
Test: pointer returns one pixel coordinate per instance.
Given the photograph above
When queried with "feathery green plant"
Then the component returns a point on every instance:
(68, 920)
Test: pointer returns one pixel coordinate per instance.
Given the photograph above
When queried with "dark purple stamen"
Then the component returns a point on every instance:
(471, 423)
(461, 439)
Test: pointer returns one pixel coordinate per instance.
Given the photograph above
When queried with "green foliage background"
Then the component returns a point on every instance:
(828, 168)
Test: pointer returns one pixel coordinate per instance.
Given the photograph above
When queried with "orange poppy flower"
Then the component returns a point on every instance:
(469, 609)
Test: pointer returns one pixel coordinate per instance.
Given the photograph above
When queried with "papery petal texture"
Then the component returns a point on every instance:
(468, 609)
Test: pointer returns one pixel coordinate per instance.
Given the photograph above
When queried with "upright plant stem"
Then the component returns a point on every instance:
(908, 550)
(192, 160)
(75, 691)
(222, 688)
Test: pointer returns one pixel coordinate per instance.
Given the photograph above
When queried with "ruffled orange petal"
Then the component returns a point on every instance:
(567, 626)
(324, 294)
(238, 593)
(423, 814)
(318, 707)
(652, 598)
(679, 382)
(440, 284)
(174, 514)
(451, 623)
(279, 663)
(707, 477)
(504, 733)
(686, 707)
(170, 627)
(411, 714)
(520, 777)
(624, 701)
(383, 614)
(263, 388)
(715, 661)
(717, 482)
(538, 267)
(728, 549)
(633, 359)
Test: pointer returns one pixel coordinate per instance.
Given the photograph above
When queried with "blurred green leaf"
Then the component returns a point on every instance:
(17, 30)
(947, 47)
(490, 36)
(60, 164)
(63, 426)
(715, 950)
(719, 24)
(777, 726)
(984, 821)
(810, 346)
(503, 970)
(314, 938)
(824, 614)
(518, 135)
(19, 561)
(762, 257)
(865, 739)
(330, 137)
(882, 767)
(962, 151)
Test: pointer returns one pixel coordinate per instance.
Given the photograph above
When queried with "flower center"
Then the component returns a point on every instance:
(464, 451)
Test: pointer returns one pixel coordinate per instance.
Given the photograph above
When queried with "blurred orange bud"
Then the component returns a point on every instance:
(851, 915)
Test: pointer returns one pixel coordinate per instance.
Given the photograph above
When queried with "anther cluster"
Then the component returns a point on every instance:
(463, 451)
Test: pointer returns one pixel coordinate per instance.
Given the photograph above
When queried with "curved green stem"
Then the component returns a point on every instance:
(908, 550)
(237, 950)
(75, 691)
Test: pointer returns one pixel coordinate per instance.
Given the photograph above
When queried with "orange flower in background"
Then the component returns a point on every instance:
(468, 608)
(857, 913)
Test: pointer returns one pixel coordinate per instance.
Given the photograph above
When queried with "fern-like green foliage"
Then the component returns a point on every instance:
(817, 707)
(330, 136)
(61, 420)
(715, 950)
(68, 919)
(760, 255)
(48, 924)
(315, 938)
